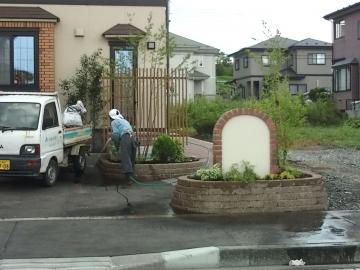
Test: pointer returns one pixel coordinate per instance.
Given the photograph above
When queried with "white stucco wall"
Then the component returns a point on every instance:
(208, 67)
(246, 138)
(94, 20)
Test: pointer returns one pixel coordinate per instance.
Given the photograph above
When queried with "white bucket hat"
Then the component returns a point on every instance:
(115, 114)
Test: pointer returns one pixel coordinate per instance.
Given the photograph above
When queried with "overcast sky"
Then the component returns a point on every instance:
(230, 25)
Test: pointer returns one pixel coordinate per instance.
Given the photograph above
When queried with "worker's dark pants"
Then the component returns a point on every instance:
(128, 153)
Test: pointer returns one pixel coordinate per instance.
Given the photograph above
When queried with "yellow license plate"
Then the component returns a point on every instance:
(4, 165)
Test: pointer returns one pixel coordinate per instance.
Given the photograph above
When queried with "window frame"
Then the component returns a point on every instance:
(347, 78)
(237, 64)
(56, 116)
(268, 60)
(245, 62)
(17, 32)
(297, 88)
(339, 31)
(114, 45)
(311, 59)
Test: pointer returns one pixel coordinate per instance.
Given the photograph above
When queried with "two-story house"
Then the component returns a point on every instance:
(200, 60)
(346, 55)
(308, 65)
(41, 41)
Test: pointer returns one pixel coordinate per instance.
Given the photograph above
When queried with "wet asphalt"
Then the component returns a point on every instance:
(86, 219)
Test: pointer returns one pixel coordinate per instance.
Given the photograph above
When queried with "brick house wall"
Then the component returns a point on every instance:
(46, 56)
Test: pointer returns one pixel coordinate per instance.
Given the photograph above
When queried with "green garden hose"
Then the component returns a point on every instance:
(136, 180)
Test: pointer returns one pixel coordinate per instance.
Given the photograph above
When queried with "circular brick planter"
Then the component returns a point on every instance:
(302, 194)
(112, 172)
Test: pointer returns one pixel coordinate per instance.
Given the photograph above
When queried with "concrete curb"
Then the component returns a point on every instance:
(207, 257)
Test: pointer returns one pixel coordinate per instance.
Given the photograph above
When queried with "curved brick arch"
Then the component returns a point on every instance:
(220, 124)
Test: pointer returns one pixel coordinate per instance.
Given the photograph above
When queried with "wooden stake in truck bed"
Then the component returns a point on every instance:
(33, 140)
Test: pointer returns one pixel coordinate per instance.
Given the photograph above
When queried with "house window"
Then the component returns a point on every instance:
(201, 61)
(342, 79)
(340, 29)
(265, 60)
(237, 65)
(18, 60)
(291, 60)
(246, 62)
(316, 58)
(297, 88)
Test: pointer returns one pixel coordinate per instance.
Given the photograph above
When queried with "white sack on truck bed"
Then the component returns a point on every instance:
(72, 115)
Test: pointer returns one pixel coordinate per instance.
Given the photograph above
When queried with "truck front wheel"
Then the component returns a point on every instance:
(51, 174)
(80, 164)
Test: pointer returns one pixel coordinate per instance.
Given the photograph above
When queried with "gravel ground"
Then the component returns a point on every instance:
(340, 169)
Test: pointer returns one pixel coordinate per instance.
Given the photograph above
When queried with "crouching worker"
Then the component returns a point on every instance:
(123, 136)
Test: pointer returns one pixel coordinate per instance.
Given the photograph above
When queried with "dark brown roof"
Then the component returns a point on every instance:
(31, 13)
(343, 12)
(123, 30)
(154, 3)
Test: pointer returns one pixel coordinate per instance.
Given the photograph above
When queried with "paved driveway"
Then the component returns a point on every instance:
(26, 198)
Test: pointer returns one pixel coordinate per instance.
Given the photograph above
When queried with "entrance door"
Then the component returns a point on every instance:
(51, 134)
(123, 57)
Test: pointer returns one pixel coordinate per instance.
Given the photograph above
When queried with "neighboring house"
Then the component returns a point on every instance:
(200, 59)
(308, 65)
(41, 41)
(346, 55)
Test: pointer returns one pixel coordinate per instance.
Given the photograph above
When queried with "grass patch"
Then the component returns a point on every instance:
(224, 78)
(335, 137)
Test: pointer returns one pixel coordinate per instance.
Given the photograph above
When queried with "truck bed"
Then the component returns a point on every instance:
(76, 135)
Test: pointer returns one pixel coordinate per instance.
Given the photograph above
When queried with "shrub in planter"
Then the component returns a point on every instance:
(165, 149)
(244, 173)
(213, 173)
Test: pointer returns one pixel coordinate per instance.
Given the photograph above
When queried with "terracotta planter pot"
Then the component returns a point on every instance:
(220, 197)
(112, 172)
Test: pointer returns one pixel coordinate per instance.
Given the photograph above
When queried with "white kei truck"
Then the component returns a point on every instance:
(33, 139)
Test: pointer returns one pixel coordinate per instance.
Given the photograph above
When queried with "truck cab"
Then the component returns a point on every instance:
(32, 137)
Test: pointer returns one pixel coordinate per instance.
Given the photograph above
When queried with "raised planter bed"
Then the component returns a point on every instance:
(220, 197)
(111, 171)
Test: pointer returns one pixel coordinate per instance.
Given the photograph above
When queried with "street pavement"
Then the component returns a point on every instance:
(82, 220)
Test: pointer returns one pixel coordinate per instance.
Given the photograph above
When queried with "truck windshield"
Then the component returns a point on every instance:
(19, 116)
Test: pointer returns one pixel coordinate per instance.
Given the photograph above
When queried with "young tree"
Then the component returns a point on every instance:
(286, 111)
(224, 65)
(86, 84)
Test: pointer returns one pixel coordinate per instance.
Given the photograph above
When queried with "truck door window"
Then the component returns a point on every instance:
(50, 116)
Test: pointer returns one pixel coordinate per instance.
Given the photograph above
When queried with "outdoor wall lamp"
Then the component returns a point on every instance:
(151, 45)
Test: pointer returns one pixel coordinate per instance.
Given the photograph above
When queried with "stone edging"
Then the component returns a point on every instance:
(220, 124)
(149, 172)
(210, 257)
(220, 197)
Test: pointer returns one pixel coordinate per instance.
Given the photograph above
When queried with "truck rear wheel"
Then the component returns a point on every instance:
(80, 164)
(51, 174)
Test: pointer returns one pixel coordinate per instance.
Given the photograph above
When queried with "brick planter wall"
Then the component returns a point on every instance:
(265, 196)
(148, 172)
